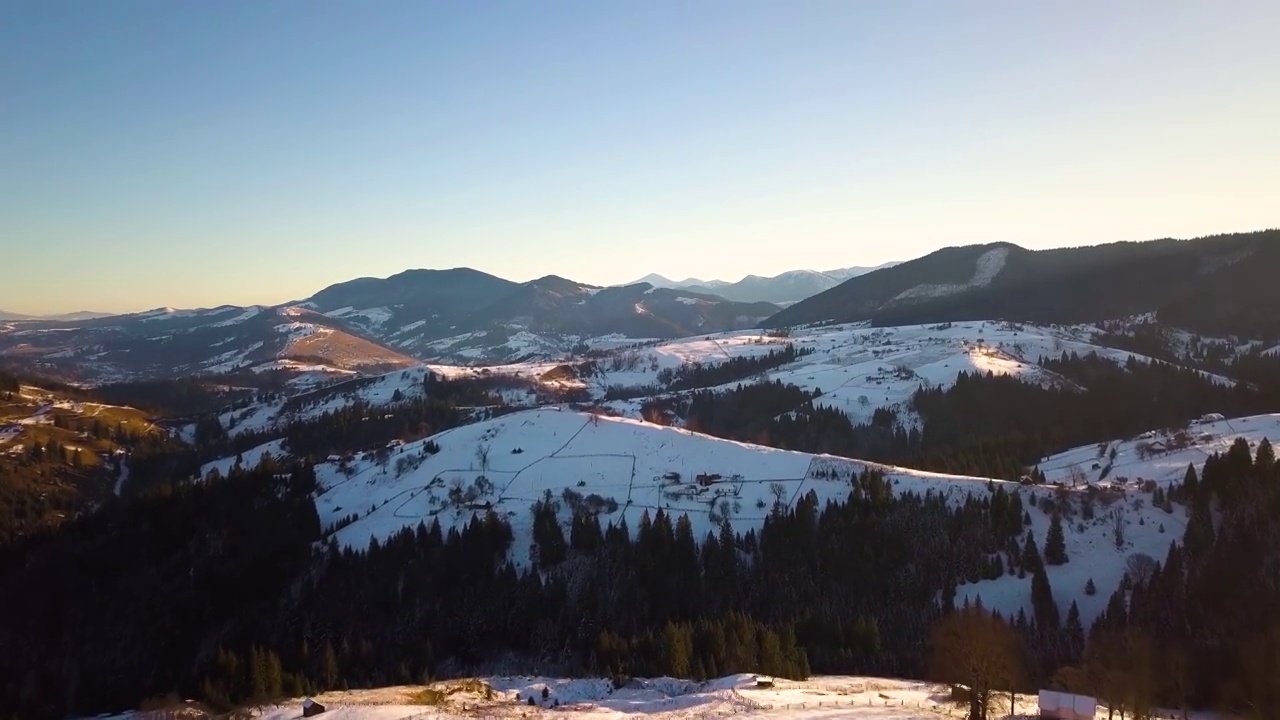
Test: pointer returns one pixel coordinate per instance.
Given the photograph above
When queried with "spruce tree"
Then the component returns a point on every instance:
(1031, 559)
(1042, 603)
(1055, 545)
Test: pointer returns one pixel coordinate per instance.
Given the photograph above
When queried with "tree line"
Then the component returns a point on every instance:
(226, 590)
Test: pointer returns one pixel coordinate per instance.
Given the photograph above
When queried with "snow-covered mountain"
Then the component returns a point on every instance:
(371, 324)
(788, 287)
(167, 343)
(465, 315)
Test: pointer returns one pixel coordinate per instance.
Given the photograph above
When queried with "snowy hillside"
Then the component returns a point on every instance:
(1117, 486)
(621, 468)
(1158, 455)
(860, 368)
(857, 368)
(166, 342)
(312, 403)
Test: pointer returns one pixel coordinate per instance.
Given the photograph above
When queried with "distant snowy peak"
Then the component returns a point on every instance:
(782, 289)
(843, 274)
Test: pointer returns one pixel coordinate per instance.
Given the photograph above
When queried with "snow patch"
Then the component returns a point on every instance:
(987, 267)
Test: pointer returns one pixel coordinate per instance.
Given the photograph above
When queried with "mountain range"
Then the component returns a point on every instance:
(81, 315)
(783, 289)
(1216, 285)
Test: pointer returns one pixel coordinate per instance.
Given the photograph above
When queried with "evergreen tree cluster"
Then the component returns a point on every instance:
(218, 589)
(1200, 628)
(701, 375)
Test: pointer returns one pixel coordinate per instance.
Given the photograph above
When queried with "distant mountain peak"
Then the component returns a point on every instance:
(784, 288)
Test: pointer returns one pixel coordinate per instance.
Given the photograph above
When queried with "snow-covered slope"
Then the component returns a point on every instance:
(822, 697)
(857, 368)
(1147, 530)
(166, 342)
(621, 468)
(825, 697)
(1157, 455)
(312, 403)
(860, 368)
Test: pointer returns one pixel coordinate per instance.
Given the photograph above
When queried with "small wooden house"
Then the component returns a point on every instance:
(311, 708)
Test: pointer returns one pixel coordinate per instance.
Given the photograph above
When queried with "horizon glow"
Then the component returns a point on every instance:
(188, 154)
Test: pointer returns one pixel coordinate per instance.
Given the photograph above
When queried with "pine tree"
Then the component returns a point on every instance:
(1042, 602)
(1055, 545)
(329, 667)
(1031, 560)
(1074, 634)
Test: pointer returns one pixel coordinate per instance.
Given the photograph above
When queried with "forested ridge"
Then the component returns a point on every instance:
(1219, 284)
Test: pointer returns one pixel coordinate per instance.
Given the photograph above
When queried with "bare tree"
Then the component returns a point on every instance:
(482, 457)
(1077, 476)
(1117, 527)
(973, 648)
(1140, 567)
(779, 494)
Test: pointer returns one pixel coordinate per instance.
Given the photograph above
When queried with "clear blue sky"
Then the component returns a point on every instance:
(196, 153)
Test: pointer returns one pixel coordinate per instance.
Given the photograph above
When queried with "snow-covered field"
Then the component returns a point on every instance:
(818, 698)
(860, 368)
(622, 468)
(857, 368)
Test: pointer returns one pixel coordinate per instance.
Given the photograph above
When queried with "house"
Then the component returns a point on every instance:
(1065, 706)
(311, 708)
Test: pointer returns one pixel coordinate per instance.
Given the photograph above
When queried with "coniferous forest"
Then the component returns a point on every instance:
(227, 590)
(224, 591)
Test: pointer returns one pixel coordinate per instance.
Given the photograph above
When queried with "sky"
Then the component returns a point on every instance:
(191, 153)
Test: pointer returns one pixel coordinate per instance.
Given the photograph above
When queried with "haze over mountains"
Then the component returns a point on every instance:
(785, 288)
(1219, 284)
(81, 315)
